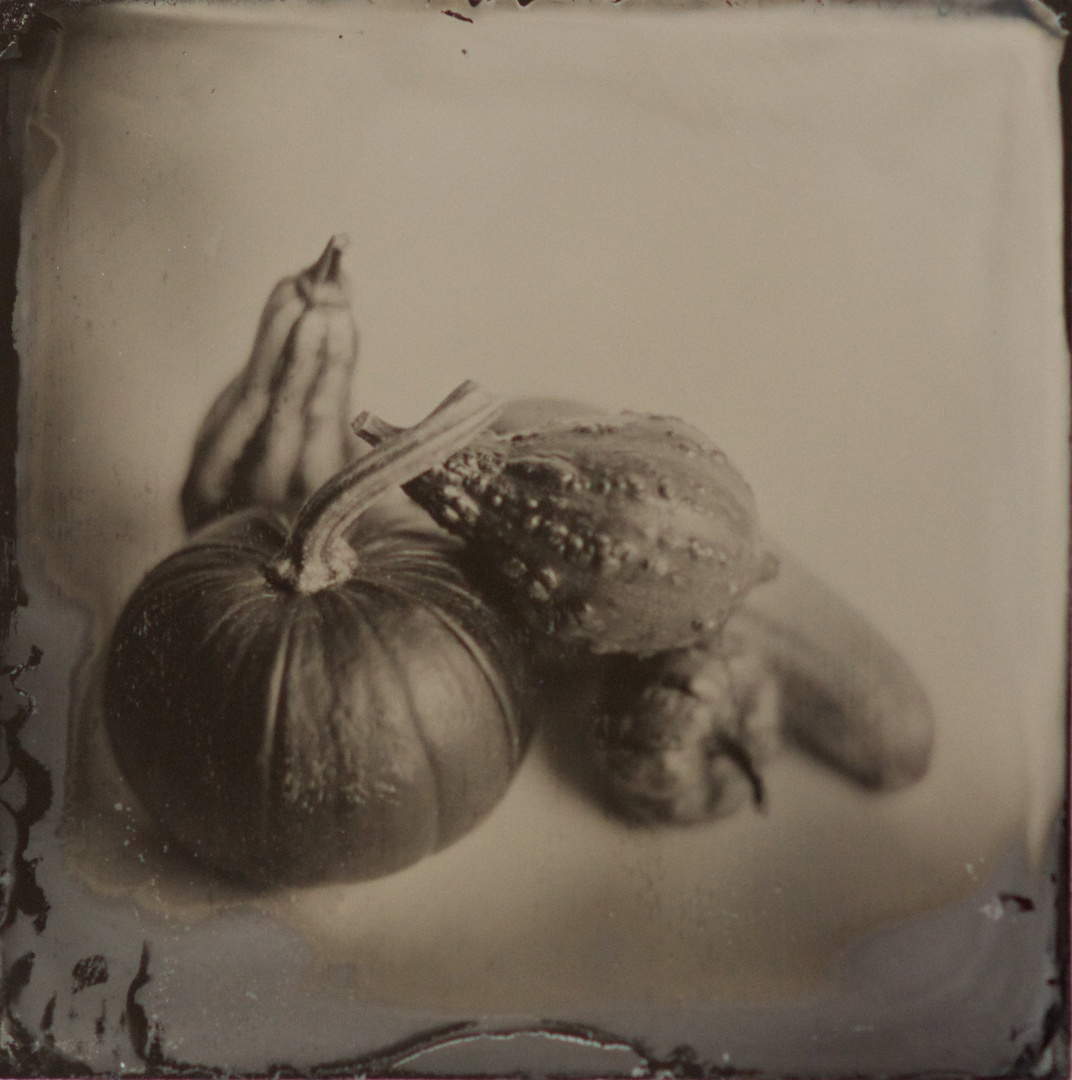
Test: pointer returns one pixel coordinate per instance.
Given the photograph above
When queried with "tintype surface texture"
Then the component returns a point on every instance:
(829, 238)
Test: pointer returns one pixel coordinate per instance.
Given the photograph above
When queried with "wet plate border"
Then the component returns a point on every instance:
(465, 1048)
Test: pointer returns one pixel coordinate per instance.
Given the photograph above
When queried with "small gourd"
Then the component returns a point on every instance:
(681, 737)
(281, 427)
(307, 703)
(630, 533)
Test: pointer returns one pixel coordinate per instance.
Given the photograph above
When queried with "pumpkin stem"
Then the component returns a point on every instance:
(373, 430)
(317, 554)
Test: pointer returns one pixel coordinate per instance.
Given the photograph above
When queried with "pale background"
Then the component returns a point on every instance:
(828, 237)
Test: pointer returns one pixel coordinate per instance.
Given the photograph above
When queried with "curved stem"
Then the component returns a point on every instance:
(740, 757)
(316, 553)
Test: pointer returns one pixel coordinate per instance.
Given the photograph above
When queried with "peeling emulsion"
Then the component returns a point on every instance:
(25, 797)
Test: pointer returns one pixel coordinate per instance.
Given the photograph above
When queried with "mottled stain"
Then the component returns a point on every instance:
(89, 971)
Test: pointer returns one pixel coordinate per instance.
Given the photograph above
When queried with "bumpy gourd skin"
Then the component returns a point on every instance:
(622, 534)
(291, 738)
(681, 736)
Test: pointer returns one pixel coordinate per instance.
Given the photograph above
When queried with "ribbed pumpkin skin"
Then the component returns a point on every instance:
(302, 738)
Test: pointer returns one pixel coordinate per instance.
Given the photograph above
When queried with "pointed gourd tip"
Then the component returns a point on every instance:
(326, 268)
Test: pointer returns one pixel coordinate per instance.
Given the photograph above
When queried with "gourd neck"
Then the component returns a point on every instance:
(317, 554)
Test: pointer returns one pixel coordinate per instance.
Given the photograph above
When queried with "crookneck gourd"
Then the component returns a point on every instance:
(305, 703)
(630, 533)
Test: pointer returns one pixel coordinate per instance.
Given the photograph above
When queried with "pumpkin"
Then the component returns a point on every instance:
(307, 702)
